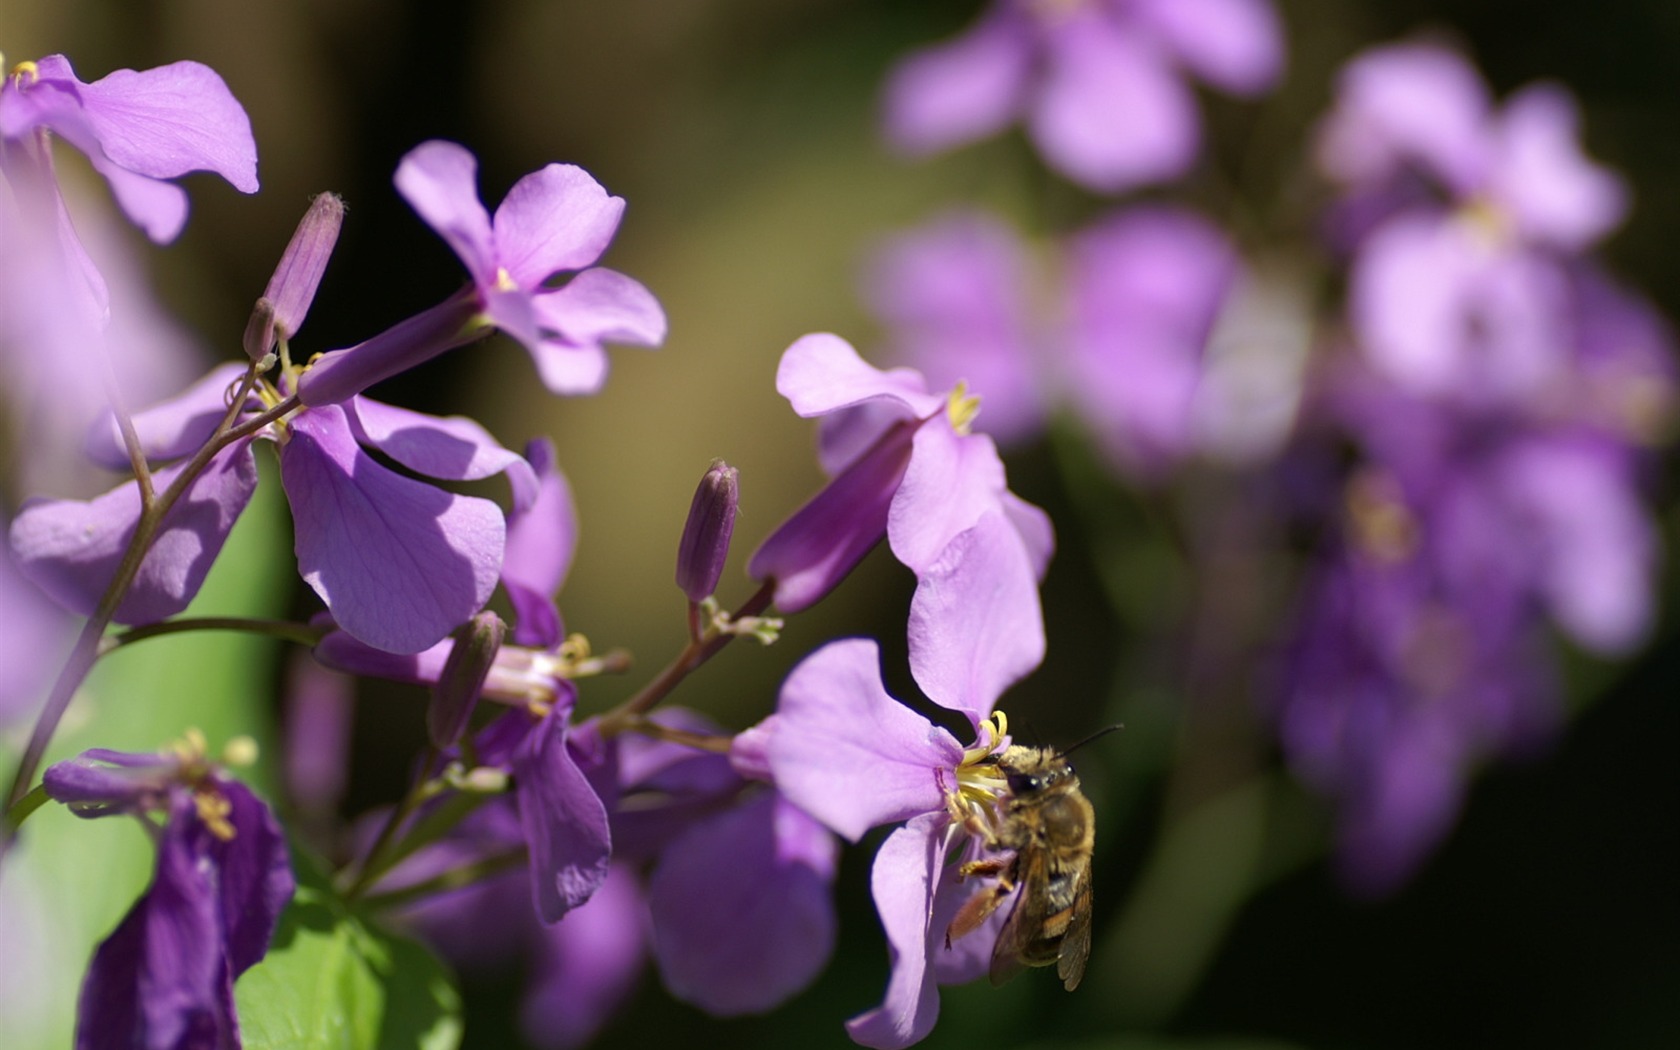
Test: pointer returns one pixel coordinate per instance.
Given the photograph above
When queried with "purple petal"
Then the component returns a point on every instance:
(161, 980)
(440, 181)
(961, 90)
(847, 753)
(338, 375)
(952, 481)
(71, 548)
(167, 121)
(1236, 45)
(1035, 530)
(586, 967)
(1557, 196)
(1408, 105)
(173, 429)
(1111, 113)
(811, 552)
(452, 449)
(567, 370)
(976, 627)
(254, 875)
(821, 373)
(906, 870)
(743, 915)
(1148, 285)
(564, 821)
(399, 563)
(98, 783)
(602, 306)
(553, 220)
(541, 539)
(953, 295)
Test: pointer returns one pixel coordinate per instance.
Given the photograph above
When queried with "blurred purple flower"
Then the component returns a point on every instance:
(585, 968)
(137, 129)
(1459, 291)
(1145, 289)
(904, 466)
(399, 562)
(164, 978)
(1097, 82)
(954, 296)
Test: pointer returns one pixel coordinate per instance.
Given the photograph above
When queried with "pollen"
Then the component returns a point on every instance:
(962, 407)
(505, 281)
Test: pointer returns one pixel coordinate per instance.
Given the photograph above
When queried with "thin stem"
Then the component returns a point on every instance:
(451, 879)
(86, 650)
(26, 805)
(699, 741)
(695, 653)
(432, 826)
(419, 792)
(285, 630)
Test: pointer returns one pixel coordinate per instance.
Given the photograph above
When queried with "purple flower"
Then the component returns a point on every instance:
(1129, 347)
(843, 750)
(906, 466)
(1146, 287)
(137, 129)
(1096, 82)
(585, 968)
(556, 220)
(399, 562)
(1461, 293)
(954, 296)
(164, 978)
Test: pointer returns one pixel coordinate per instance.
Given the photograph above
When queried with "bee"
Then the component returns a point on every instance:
(1050, 828)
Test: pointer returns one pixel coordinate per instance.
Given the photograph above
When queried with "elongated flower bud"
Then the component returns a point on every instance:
(705, 539)
(292, 288)
(457, 689)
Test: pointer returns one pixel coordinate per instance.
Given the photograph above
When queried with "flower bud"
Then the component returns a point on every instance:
(292, 288)
(705, 539)
(458, 686)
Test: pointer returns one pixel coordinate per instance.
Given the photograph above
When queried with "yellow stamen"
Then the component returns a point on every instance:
(24, 74)
(962, 407)
(241, 751)
(505, 281)
(213, 809)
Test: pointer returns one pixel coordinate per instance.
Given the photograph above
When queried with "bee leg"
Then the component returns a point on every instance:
(990, 866)
(977, 909)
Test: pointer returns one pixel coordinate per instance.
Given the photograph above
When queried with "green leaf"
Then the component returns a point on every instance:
(334, 981)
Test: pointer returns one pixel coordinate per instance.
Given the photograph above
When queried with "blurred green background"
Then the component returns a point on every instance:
(742, 134)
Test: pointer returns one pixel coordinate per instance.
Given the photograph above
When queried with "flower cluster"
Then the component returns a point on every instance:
(1390, 514)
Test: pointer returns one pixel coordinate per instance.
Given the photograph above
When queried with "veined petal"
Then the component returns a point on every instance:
(399, 563)
(976, 627)
(906, 870)
(820, 373)
(564, 821)
(254, 875)
(742, 908)
(167, 121)
(553, 220)
(452, 448)
(602, 306)
(71, 548)
(847, 753)
(440, 181)
(953, 479)
(171, 429)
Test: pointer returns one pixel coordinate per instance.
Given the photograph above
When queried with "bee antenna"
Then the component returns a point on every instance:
(1098, 735)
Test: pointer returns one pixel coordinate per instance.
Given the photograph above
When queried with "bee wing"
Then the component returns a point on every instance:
(1076, 943)
(1026, 918)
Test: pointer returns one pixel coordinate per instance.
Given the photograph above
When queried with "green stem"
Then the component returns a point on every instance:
(629, 713)
(285, 630)
(34, 800)
(452, 879)
(86, 650)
